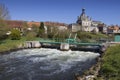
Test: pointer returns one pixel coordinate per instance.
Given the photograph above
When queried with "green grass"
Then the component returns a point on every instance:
(110, 68)
(8, 44)
(91, 37)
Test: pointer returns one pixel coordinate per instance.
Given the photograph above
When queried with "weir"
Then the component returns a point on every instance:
(65, 46)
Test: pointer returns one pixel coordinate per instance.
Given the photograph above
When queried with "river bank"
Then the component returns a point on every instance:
(93, 73)
(11, 45)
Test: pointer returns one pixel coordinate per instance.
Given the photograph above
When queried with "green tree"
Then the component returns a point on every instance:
(15, 34)
(41, 32)
(31, 36)
(35, 28)
(52, 32)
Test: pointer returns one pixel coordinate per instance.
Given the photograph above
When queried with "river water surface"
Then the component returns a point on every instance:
(44, 64)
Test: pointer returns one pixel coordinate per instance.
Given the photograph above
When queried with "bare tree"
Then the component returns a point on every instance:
(4, 13)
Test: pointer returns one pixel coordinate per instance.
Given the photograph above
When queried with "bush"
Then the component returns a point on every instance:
(88, 36)
(30, 36)
(15, 34)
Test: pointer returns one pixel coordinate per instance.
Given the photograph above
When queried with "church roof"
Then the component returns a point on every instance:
(83, 16)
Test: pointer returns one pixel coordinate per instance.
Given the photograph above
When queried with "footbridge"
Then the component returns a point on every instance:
(66, 44)
(72, 44)
(69, 41)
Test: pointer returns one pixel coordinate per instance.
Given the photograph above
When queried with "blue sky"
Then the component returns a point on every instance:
(65, 11)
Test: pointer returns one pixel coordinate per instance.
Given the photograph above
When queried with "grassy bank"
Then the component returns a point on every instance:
(110, 68)
(8, 44)
(91, 37)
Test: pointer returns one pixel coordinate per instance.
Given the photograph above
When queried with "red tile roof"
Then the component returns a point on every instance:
(114, 27)
(14, 24)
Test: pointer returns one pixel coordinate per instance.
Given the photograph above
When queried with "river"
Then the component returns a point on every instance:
(44, 64)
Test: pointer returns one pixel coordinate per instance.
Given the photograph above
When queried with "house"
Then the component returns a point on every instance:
(60, 26)
(15, 24)
(74, 27)
(102, 28)
(32, 24)
(113, 29)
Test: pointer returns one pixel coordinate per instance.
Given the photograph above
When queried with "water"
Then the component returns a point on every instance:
(44, 64)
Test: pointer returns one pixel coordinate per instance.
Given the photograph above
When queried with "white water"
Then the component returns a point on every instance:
(36, 64)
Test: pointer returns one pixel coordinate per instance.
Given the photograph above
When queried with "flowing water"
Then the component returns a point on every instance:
(44, 64)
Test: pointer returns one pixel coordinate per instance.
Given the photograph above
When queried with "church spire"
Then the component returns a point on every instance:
(83, 11)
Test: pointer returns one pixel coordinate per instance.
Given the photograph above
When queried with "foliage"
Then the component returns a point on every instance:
(111, 63)
(31, 36)
(4, 13)
(35, 28)
(41, 32)
(9, 44)
(15, 34)
(55, 33)
(88, 36)
(41, 26)
(52, 31)
(25, 28)
(3, 30)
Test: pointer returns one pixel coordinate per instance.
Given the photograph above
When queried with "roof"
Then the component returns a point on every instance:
(14, 24)
(83, 16)
(114, 27)
(30, 24)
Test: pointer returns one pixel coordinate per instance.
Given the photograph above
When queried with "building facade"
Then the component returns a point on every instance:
(85, 23)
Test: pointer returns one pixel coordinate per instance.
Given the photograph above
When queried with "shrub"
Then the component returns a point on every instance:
(15, 34)
(30, 36)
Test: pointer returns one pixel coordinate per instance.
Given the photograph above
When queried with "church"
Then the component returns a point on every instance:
(84, 23)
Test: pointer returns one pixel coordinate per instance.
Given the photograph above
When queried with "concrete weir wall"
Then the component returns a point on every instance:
(32, 44)
(64, 46)
(37, 44)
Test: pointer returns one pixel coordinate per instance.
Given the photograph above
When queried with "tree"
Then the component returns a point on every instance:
(41, 32)
(3, 30)
(25, 28)
(56, 34)
(52, 32)
(4, 13)
(30, 36)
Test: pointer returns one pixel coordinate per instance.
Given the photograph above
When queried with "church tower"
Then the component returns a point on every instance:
(84, 20)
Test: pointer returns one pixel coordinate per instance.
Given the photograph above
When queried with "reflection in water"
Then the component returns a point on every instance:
(44, 64)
